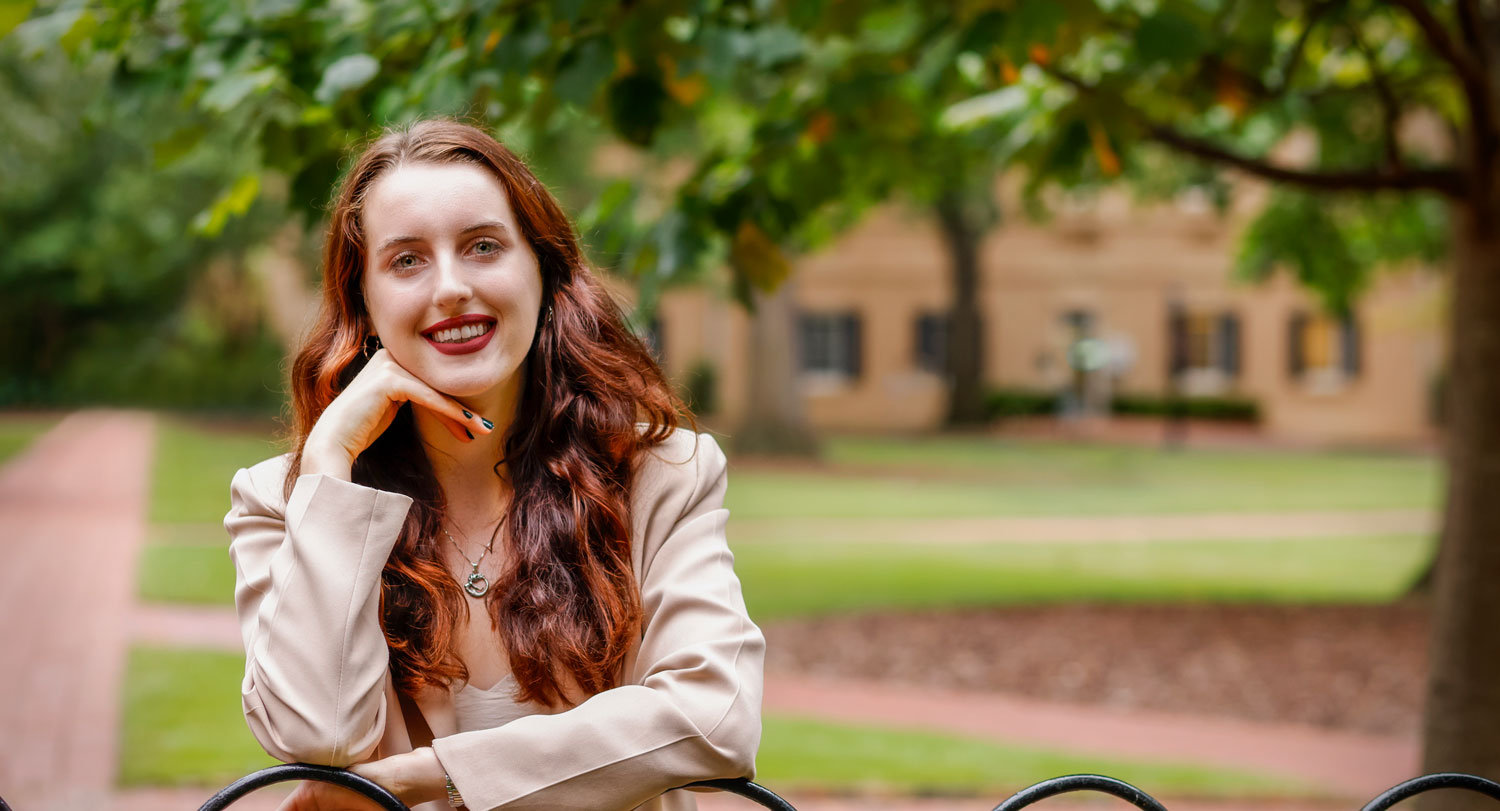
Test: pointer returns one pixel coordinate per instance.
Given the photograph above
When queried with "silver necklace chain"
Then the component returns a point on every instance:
(476, 584)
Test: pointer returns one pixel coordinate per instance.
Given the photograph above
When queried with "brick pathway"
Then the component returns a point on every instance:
(72, 519)
(1107, 528)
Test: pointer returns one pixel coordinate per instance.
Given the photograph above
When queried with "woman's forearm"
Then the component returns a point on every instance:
(414, 777)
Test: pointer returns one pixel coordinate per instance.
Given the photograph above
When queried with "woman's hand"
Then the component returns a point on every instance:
(414, 777)
(312, 795)
(366, 407)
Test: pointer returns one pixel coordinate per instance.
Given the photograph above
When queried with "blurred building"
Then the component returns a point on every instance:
(1145, 295)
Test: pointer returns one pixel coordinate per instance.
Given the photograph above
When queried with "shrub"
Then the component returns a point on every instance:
(1226, 409)
(1002, 403)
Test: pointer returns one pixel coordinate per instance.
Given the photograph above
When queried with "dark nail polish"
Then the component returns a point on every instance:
(470, 433)
(467, 415)
(488, 426)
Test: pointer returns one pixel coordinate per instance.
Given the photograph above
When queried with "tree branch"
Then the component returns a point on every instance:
(1471, 75)
(1437, 35)
(1294, 57)
(1446, 180)
(1471, 20)
(1470, 72)
(1390, 108)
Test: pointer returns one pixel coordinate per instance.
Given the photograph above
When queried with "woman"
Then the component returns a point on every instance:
(493, 573)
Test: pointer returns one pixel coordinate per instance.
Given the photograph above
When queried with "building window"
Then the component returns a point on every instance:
(1204, 351)
(1205, 343)
(1079, 323)
(830, 344)
(1323, 347)
(932, 343)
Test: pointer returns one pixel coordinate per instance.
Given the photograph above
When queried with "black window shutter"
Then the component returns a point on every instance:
(1349, 336)
(1177, 340)
(852, 345)
(805, 328)
(1229, 344)
(1295, 335)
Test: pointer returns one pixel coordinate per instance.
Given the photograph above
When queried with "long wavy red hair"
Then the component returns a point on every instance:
(567, 605)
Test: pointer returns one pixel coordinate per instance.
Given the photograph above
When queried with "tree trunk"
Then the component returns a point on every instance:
(962, 237)
(1462, 725)
(776, 422)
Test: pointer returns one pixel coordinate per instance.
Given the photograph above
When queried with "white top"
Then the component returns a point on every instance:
(491, 707)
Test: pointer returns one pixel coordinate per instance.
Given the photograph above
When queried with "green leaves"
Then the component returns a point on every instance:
(345, 74)
(1171, 37)
(234, 202)
(637, 105)
(757, 259)
(583, 70)
(1333, 246)
(13, 13)
(231, 91)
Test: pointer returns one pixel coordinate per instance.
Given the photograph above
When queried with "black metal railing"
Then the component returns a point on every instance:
(349, 780)
(765, 797)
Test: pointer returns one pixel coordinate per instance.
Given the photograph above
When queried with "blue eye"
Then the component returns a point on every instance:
(489, 244)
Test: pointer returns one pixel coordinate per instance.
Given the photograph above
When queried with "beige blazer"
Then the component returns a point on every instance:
(317, 688)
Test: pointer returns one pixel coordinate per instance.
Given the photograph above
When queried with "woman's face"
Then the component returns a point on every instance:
(452, 285)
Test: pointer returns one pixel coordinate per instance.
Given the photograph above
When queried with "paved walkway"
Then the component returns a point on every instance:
(72, 519)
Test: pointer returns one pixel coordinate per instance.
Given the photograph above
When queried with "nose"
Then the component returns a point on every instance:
(452, 284)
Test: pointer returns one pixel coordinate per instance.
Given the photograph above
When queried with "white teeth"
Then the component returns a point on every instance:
(460, 334)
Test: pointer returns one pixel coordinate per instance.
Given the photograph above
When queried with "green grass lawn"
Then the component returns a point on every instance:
(183, 726)
(194, 463)
(18, 431)
(809, 754)
(789, 570)
(790, 579)
(182, 720)
(186, 558)
(978, 476)
(808, 579)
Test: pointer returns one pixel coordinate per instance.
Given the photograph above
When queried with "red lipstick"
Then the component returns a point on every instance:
(455, 346)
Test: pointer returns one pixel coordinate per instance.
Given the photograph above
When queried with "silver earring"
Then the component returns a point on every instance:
(366, 348)
(549, 313)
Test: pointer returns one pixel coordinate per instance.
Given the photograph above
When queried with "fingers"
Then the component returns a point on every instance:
(462, 423)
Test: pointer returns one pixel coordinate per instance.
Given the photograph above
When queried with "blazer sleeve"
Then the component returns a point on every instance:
(690, 709)
(307, 592)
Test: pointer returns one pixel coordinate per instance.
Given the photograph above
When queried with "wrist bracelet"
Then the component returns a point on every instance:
(453, 797)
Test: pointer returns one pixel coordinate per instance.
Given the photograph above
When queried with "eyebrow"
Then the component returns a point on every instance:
(478, 226)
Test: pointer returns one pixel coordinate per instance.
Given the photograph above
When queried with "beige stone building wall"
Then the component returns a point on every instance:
(1126, 265)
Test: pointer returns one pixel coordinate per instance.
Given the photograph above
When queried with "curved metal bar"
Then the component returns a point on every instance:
(303, 771)
(754, 792)
(1081, 782)
(1431, 782)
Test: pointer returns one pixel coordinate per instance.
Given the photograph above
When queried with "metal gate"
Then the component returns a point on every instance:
(765, 797)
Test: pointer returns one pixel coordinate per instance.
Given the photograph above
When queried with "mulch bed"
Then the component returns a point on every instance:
(1356, 668)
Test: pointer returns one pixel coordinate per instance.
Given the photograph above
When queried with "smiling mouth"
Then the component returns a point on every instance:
(461, 334)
